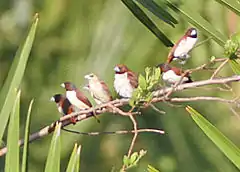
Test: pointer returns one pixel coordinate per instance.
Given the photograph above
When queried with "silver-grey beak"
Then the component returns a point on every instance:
(116, 69)
(63, 85)
(52, 99)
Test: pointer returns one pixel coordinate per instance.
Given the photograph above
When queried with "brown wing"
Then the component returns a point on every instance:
(180, 72)
(106, 90)
(170, 54)
(133, 77)
(83, 98)
(177, 70)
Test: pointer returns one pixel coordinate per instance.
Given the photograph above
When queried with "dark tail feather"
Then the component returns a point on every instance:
(189, 80)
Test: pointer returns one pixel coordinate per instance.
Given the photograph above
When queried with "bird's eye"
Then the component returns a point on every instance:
(91, 75)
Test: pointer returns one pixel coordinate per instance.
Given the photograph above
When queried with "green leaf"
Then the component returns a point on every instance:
(152, 169)
(199, 22)
(73, 165)
(126, 161)
(14, 77)
(159, 11)
(235, 66)
(26, 138)
(12, 157)
(53, 159)
(221, 141)
(231, 4)
(133, 157)
(142, 82)
(140, 15)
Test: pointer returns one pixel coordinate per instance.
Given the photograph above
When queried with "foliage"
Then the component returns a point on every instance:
(147, 84)
(222, 142)
(134, 159)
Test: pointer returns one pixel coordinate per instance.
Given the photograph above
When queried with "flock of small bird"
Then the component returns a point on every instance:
(125, 80)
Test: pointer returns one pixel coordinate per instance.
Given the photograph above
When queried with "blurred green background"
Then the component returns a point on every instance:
(78, 37)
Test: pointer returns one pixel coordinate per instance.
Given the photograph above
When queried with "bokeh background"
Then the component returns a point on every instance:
(78, 37)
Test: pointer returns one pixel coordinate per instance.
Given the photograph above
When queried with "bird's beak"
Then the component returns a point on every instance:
(52, 99)
(86, 77)
(63, 85)
(116, 69)
(86, 87)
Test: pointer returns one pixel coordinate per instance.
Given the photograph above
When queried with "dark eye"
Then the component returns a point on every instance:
(91, 75)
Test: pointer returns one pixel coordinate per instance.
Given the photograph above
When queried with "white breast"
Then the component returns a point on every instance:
(171, 78)
(71, 95)
(122, 85)
(98, 93)
(184, 47)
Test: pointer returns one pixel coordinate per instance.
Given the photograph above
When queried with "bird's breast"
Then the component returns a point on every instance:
(184, 47)
(71, 95)
(122, 85)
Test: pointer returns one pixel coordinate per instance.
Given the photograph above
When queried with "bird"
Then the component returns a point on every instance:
(125, 81)
(64, 106)
(98, 89)
(172, 75)
(77, 98)
(184, 45)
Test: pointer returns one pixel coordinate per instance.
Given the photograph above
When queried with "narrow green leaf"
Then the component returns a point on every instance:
(235, 66)
(73, 164)
(159, 11)
(12, 157)
(152, 169)
(140, 15)
(142, 82)
(14, 77)
(199, 22)
(221, 141)
(53, 159)
(26, 138)
(231, 4)
(133, 157)
(78, 159)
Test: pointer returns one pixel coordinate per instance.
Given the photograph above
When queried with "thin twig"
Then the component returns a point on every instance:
(219, 68)
(158, 131)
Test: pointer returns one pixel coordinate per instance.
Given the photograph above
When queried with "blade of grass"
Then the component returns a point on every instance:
(199, 22)
(26, 138)
(231, 4)
(152, 169)
(222, 142)
(53, 159)
(73, 165)
(12, 157)
(140, 15)
(158, 11)
(14, 77)
(235, 66)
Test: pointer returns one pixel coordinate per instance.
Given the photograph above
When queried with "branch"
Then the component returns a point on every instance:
(158, 131)
(107, 107)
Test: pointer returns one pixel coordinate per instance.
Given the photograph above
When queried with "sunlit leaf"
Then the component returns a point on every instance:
(14, 77)
(140, 15)
(221, 141)
(26, 138)
(53, 159)
(12, 157)
(152, 169)
(142, 82)
(199, 22)
(235, 66)
(74, 163)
